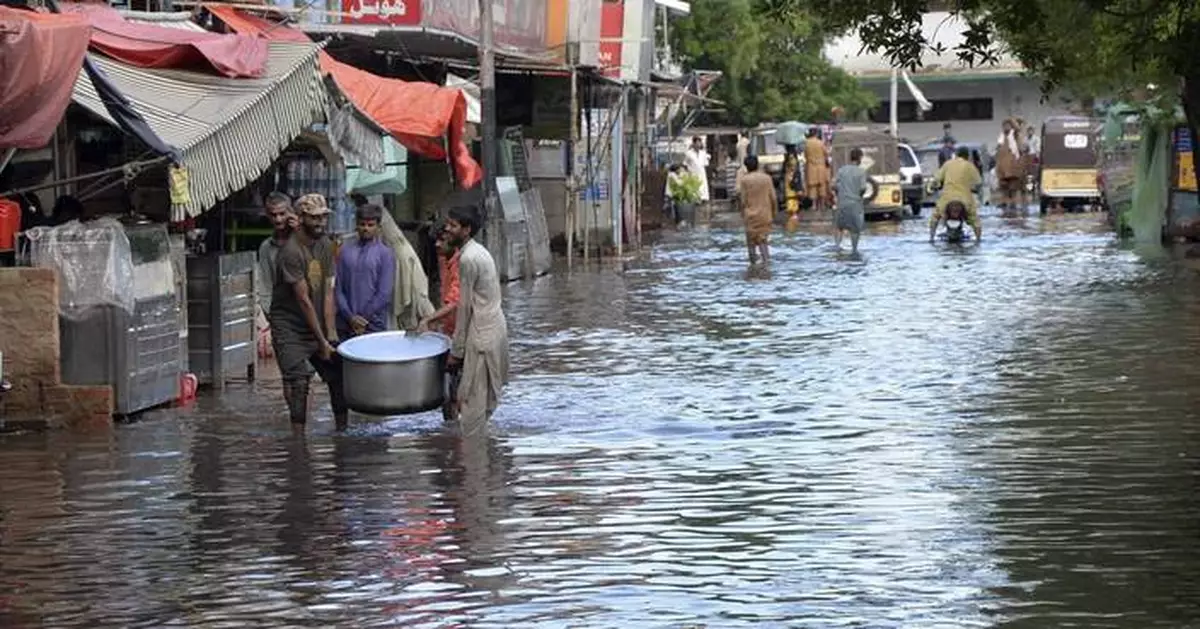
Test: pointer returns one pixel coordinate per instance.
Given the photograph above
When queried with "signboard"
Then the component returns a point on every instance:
(612, 26)
(1185, 173)
(519, 24)
(390, 12)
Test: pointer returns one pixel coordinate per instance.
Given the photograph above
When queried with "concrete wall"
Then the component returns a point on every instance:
(1010, 97)
(30, 342)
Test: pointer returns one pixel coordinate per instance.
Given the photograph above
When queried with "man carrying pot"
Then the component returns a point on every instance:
(480, 347)
(302, 314)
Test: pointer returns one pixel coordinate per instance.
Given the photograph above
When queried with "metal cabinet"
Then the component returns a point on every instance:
(222, 340)
(137, 354)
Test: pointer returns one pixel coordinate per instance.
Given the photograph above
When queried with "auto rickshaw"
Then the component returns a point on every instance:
(881, 159)
(1070, 163)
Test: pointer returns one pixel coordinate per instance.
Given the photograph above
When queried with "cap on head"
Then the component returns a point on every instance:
(312, 204)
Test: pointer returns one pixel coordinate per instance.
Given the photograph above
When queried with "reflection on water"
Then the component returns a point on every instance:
(925, 436)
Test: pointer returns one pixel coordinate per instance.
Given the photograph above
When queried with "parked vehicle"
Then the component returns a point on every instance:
(911, 179)
(881, 159)
(1069, 169)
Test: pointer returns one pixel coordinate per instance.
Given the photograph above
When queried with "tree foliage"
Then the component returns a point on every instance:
(770, 54)
(1090, 47)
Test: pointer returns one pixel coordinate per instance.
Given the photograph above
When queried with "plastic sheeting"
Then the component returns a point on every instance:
(1149, 209)
(152, 46)
(393, 179)
(424, 117)
(40, 56)
(94, 262)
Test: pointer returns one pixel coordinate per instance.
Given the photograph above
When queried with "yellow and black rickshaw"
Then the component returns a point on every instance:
(1070, 163)
(881, 160)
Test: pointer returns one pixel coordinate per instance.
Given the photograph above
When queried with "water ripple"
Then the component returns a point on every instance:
(923, 437)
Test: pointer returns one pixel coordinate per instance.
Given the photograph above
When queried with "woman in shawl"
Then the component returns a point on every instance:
(1008, 164)
(793, 186)
(410, 299)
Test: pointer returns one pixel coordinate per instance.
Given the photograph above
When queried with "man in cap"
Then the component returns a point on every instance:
(302, 313)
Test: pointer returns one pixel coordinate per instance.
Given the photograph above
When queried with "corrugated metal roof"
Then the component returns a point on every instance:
(180, 19)
(228, 130)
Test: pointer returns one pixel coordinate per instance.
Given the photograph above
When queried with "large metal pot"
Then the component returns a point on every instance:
(393, 373)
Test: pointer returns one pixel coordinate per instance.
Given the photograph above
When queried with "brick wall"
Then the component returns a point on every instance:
(29, 340)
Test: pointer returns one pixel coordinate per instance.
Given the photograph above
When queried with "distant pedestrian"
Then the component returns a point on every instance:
(816, 169)
(674, 178)
(480, 347)
(946, 153)
(302, 314)
(756, 195)
(849, 185)
(947, 136)
(366, 272)
(696, 161)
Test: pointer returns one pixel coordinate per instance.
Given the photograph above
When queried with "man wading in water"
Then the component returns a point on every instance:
(480, 345)
(756, 194)
(302, 314)
(283, 221)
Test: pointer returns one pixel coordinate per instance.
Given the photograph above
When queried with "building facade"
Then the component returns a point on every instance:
(974, 100)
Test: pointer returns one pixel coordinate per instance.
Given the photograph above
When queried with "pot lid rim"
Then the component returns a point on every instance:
(346, 348)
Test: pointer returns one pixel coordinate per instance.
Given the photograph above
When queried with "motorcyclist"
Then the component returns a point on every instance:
(958, 180)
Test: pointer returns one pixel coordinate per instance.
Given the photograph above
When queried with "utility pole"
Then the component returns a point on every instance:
(893, 106)
(572, 148)
(487, 105)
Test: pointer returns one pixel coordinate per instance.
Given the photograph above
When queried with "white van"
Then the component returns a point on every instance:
(912, 182)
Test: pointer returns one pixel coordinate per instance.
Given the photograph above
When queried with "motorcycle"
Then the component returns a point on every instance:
(956, 222)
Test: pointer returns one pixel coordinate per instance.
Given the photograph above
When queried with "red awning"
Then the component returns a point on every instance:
(152, 46)
(40, 57)
(417, 114)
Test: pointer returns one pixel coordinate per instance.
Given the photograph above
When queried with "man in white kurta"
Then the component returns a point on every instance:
(696, 162)
(481, 333)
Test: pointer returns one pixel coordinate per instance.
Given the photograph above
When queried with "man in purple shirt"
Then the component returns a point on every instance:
(366, 274)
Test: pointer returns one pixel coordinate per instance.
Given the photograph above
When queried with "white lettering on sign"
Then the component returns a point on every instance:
(1077, 124)
(381, 8)
(1075, 141)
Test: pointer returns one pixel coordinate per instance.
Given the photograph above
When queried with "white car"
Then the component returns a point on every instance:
(912, 182)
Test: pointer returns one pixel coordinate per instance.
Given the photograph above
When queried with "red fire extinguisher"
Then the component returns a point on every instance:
(10, 224)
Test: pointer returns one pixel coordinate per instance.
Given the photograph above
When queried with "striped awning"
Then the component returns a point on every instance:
(181, 20)
(229, 131)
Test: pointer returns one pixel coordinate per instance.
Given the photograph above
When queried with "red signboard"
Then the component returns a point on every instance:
(518, 24)
(612, 27)
(392, 12)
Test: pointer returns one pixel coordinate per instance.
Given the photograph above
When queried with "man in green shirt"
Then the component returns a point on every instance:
(959, 179)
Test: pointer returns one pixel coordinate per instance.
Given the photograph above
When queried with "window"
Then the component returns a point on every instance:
(907, 159)
(943, 110)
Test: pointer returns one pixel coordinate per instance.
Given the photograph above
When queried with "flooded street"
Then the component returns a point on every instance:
(928, 436)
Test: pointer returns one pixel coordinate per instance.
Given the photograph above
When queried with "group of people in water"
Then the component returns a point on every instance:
(813, 184)
(315, 291)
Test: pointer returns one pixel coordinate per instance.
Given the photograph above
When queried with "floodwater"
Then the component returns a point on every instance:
(927, 436)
